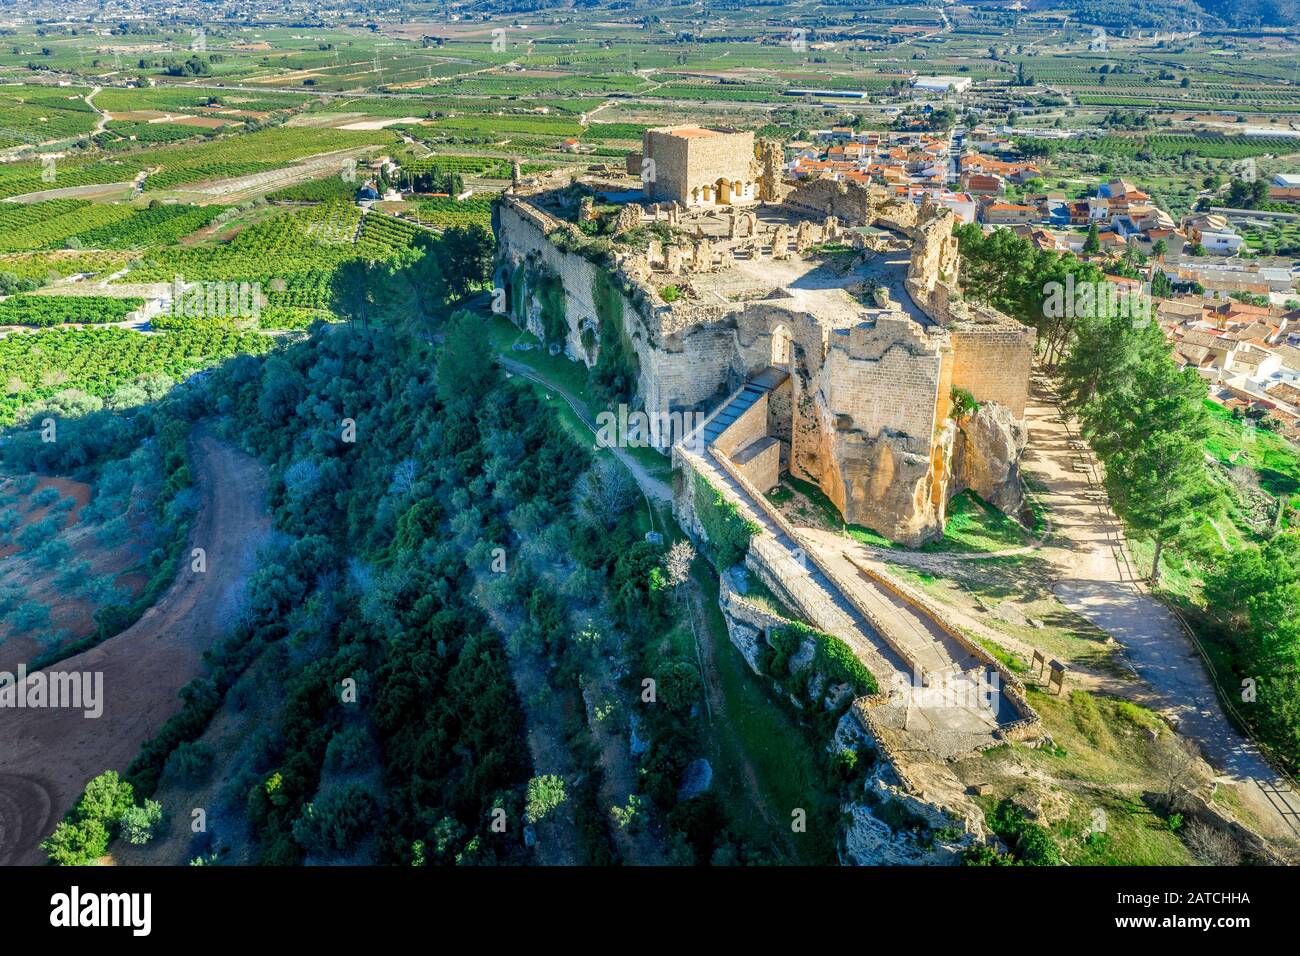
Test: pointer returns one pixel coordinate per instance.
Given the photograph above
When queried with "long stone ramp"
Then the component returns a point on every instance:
(941, 697)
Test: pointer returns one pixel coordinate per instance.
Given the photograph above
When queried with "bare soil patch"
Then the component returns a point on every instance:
(49, 754)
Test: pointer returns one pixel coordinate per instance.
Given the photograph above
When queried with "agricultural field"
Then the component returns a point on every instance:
(39, 311)
(290, 256)
(256, 152)
(42, 267)
(444, 211)
(74, 224)
(1173, 145)
(330, 188)
(34, 115)
(38, 176)
(38, 366)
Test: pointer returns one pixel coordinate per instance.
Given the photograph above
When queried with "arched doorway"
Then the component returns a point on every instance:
(780, 346)
(722, 191)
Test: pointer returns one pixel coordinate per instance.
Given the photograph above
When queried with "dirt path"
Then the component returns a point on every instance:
(103, 116)
(651, 486)
(1098, 580)
(48, 755)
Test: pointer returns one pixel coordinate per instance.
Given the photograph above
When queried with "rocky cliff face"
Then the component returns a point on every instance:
(986, 457)
(890, 823)
(882, 484)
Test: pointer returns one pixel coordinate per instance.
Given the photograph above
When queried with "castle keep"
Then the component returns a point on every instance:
(841, 302)
(696, 166)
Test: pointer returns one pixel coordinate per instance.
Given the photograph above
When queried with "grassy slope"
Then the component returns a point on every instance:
(1102, 762)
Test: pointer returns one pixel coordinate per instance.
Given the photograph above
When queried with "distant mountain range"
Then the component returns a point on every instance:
(1178, 14)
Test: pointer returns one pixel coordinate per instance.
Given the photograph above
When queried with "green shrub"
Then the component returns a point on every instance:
(678, 686)
(727, 530)
(844, 764)
(335, 822)
(983, 856)
(349, 749)
(45, 497)
(30, 616)
(1031, 843)
(963, 403)
(545, 793)
(138, 824)
(190, 762)
(84, 834)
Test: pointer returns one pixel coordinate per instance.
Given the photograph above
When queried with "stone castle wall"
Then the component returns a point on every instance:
(992, 362)
(885, 376)
(682, 374)
(849, 202)
(853, 204)
(689, 372)
(522, 238)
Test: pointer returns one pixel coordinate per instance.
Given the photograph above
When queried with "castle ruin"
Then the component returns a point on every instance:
(843, 300)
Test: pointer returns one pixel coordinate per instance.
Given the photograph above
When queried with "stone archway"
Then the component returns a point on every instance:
(781, 346)
(722, 192)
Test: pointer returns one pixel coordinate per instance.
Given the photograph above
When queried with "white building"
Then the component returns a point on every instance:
(1213, 232)
(942, 84)
(960, 203)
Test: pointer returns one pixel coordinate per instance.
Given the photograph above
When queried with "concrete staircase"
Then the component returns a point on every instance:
(762, 383)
